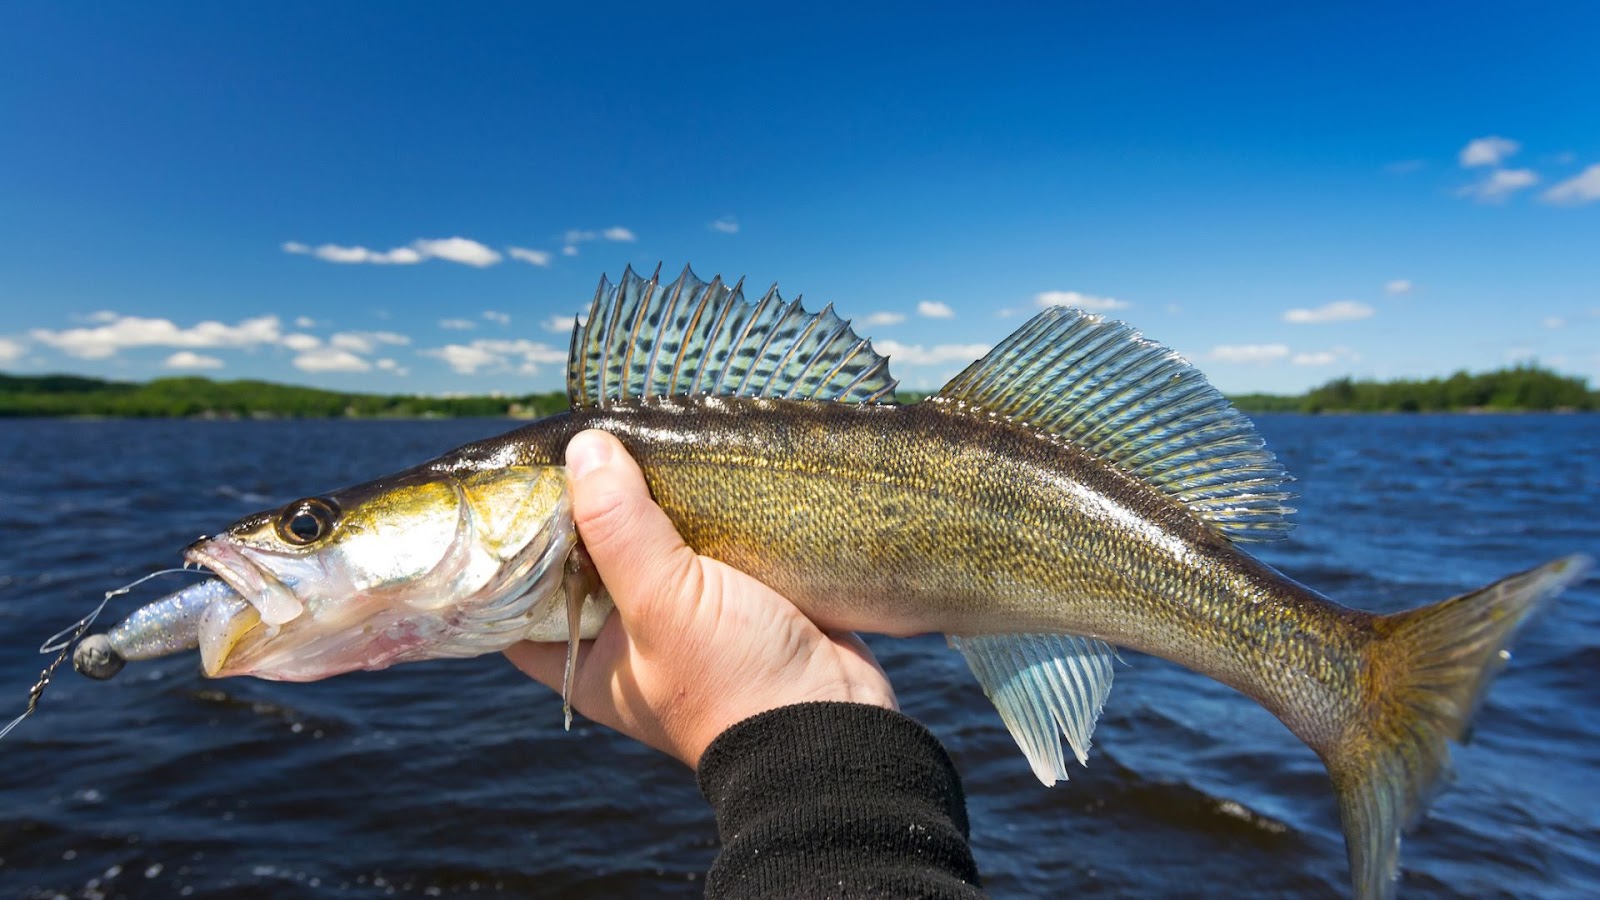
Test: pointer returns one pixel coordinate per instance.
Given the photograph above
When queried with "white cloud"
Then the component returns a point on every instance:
(1337, 311)
(330, 359)
(1088, 302)
(559, 324)
(1554, 322)
(1500, 184)
(523, 355)
(1487, 151)
(726, 225)
(392, 367)
(135, 331)
(464, 358)
(576, 236)
(453, 249)
(304, 322)
(1324, 357)
(403, 256)
(1248, 353)
(366, 341)
(459, 250)
(1315, 358)
(340, 353)
(1398, 286)
(188, 359)
(10, 350)
(533, 257)
(335, 253)
(918, 355)
(497, 317)
(933, 309)
(1581, 188)
(458, 324)
(884, 318)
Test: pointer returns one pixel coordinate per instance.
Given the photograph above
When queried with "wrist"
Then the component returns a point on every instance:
(745, 709)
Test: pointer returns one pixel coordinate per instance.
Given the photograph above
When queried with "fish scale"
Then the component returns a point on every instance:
(930, 518)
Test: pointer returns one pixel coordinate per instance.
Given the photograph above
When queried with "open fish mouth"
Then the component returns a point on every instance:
(253, 632)
(262, 605)
(275, 602)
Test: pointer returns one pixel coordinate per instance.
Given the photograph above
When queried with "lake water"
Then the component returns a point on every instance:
(456, 778)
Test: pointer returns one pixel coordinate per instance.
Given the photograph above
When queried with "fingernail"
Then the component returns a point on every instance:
(587, 451)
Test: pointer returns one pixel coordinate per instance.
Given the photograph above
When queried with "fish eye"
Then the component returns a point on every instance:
(306, 521)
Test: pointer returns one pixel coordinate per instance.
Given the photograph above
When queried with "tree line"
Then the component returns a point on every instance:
(71, 395)
(1519, 388)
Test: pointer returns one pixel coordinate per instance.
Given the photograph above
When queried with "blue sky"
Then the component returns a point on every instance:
(417, 197)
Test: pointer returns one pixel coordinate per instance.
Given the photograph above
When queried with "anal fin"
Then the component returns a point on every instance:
(1046, 687)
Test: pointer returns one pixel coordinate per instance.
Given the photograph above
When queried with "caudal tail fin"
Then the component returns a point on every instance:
(1429, 667)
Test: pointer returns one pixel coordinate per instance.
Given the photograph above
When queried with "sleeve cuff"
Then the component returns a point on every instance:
(821, 798)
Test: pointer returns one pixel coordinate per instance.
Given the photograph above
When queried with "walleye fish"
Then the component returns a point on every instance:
(1079, 488)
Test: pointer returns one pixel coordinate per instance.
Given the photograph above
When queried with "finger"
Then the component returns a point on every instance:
(639, 554)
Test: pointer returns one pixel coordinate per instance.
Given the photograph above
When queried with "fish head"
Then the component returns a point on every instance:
(425, 564)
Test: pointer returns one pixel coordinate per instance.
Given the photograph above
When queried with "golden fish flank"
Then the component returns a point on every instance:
(1078, 489)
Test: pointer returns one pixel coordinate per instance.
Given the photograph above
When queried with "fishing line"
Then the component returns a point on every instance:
(61, 642)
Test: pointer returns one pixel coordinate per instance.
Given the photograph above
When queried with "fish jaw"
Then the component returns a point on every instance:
(223, 624)
(271, 598)
(235, 642)
(364, 629)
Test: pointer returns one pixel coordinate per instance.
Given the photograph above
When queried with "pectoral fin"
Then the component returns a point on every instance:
(580, 582)
(1045, 686)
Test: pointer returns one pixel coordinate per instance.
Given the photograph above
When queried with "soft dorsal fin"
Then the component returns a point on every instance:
(1139, 406)
(690, 337)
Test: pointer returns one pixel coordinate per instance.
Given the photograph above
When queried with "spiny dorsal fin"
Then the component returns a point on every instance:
(691, 337)
(1139, 406)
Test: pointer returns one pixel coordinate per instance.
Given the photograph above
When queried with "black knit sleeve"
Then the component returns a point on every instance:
(836, 800)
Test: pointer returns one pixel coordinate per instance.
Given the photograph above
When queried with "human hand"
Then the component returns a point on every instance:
(695, 646)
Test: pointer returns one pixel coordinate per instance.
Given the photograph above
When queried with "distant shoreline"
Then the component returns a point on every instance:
(1520, 389)
(73, 396)
(1469, 411)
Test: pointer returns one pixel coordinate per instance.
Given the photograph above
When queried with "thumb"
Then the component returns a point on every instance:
(638, 552)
